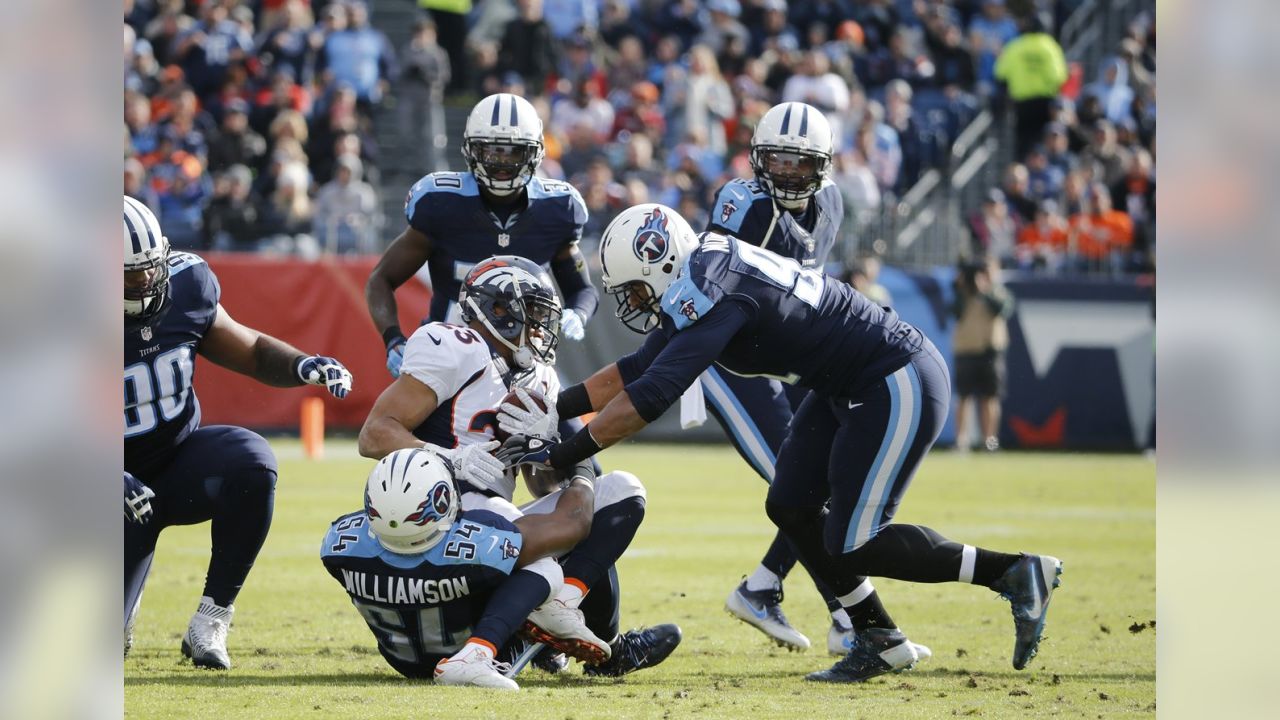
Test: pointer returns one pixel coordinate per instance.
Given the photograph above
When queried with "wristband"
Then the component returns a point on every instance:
(297, 367)
(574, 450)
(573, 402)
(392, 335)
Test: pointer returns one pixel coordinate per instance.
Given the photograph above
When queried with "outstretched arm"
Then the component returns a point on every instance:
(244, 350)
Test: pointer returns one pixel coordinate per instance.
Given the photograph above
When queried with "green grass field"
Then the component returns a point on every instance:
(301, 651)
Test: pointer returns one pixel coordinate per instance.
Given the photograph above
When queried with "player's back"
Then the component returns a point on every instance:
(448, 209)
(160, 405)
(421, 607)
(805, 328)
(744, 210)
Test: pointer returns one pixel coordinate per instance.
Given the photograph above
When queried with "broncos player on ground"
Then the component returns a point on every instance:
(454, 377)
(444, 589)
(793, 209)
(175, 471)
(879, 393)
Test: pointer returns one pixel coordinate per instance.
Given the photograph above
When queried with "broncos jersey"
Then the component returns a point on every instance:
(744, 210)
(422, 607)
(755, 313)
(160, 406)
(447, 208)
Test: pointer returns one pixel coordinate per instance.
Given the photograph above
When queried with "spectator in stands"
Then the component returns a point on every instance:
(164, 30)
(953, 62)
(981, 307)
(345, 208)
(286, 43)
(1046, 180)
(425, 71)
(236, 143)
(231, 218)
(209, 47)
(618, 22)
(864, 276)
(283, 94)
(707, 100)
(643, 114)
(629, 67)
(857, 184)
(135, 184)
(1113, 91)
(848, 53)
(578, 64)
(1042, 242)
(286, 215)
(1101, 236)
(182, 188)
(879, 144)
(360, 56)
(816, 85)
(724, 25)
(989, 32)
(899, 61)
(527, 47)
(1140, 79)
(1135, 195)
(1057, 147)
(994, 231)
(899, 115)
(1017, 192)
(773, 26)
(585, 106)
(570, 17)
(144, 135)
(1111, 159)
(1075, 192)
(1034, 69)
(640, 165)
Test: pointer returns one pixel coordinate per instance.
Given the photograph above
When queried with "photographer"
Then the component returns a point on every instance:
(981, 307)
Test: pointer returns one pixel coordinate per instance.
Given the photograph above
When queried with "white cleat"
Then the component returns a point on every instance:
(474, 665)
(762, 609)
(564, 628)
(206, 639)
(840, 640)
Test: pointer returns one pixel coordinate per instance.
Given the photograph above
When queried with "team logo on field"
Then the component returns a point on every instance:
(509, 550)
(652, 238)
(146, 333)
(727, 210)
(688, 310)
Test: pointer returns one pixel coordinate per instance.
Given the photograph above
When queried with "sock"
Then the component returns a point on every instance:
(612, 529)
(763, 579)
(477, 645)
(865, 609)
(780, 557)
(983, 567)
(572, 592)
(510, 605)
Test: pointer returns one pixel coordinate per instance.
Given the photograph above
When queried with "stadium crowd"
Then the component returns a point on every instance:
(250, 124)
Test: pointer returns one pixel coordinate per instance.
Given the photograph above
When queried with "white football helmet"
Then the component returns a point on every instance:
(146, 250)
(503, 143)
(791, 152)
(644, 247)
(411, 500)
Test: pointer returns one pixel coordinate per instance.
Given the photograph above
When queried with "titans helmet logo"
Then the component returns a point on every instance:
(653, 237)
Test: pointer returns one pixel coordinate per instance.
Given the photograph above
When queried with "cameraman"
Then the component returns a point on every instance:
(981, 335)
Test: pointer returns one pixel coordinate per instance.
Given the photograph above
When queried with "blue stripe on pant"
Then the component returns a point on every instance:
(754, 412)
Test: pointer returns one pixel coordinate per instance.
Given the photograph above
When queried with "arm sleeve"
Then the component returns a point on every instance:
(575, 282)
(632, 366)
(688, 353)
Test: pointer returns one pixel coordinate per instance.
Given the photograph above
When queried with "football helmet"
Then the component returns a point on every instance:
(146, 262)
(411, 500)
(791, 152)
(515, 301)
(502, 143)
(641, 253)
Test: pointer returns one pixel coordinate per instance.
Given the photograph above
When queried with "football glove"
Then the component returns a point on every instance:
(325, 371)
(395, 357)
(137, 500)
(534, 421)
(526, 450)
(572, 325)
(477, 465)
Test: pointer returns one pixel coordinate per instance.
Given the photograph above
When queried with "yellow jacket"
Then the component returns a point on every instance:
(1033, 66)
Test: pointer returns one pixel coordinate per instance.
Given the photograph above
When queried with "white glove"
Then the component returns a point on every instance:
(572, 326)
(326, 372)
(532, 422)
(477, 465)
(137, 500)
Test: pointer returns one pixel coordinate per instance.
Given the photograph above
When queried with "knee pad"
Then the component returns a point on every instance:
(615, 487)
(790, 517)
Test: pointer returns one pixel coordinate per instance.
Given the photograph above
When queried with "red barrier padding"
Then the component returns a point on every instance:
(317, 307)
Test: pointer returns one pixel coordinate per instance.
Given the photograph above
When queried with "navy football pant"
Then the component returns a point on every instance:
(221, 473)
(858, 454)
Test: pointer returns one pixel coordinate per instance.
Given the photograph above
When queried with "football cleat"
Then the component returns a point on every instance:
(1027, 585)
(637, 650)
(563, 628)
(474, 665)
(875, 651)
(551, 661)
(763, 610)
(206, 639)
(841, 639)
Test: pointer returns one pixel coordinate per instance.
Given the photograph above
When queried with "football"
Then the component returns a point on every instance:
(514, 399)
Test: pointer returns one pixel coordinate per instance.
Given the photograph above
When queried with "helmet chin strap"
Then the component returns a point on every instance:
(794, 204)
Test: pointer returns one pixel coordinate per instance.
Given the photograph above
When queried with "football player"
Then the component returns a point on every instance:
(175, 471)
(793, 209)
(444, 589)
(878, 397)
(453, 378)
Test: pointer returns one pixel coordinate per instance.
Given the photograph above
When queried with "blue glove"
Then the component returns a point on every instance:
(325, 371)
(526, 450)
(572, 325)
(395, 357)
(137, 500)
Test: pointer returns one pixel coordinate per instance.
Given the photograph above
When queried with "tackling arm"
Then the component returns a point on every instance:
(404, 405)
(560, 530)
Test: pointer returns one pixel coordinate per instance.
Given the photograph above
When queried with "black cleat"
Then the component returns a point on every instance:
(875, 651)
(637, 650)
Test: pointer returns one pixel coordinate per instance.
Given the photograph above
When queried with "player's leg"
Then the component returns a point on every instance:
(139, 550)
(633, 650)
(225, 474)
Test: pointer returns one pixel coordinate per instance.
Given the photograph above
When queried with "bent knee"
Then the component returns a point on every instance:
(790, 516)
(616, 486)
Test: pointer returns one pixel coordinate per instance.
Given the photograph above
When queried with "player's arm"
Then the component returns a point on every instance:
(594, 393)
(569, 267)
(403, 406)
(563, 528)
(267, 359)
(404, 257)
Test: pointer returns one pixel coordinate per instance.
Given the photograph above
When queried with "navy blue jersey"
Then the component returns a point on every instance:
(447, 208)
(744, 210)
(424, 605)
(755, 313)
(160, 406)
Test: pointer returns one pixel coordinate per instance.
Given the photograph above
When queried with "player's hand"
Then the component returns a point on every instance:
(572, 325)
(137, 500)
(395, 356)
(325, 371)
(477, 465)
(526, 450)
(535, 422)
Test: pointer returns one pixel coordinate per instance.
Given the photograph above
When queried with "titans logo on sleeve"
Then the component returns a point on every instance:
(744, 210)
(160, 406)
(446, 207)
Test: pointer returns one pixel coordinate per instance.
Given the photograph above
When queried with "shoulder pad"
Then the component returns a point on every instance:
(541, 189)
(696, 291)
(734, 203)
(454, 183)
(179, 261)
(444, 357)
